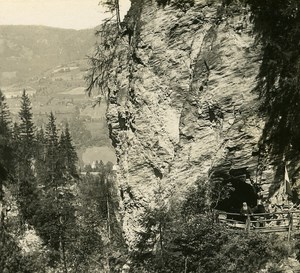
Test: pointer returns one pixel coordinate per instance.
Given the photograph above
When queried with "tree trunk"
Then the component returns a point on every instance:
(161, 241)
(117, 5)
(1, 206)
(62, 246)
(64, 256)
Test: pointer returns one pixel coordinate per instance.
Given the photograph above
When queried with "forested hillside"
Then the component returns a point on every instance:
(52, 219)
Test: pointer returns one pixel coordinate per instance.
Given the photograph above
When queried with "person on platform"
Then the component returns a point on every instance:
(245, 211)
(260, 209)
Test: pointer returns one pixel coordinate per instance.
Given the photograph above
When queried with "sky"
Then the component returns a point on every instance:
(75, 14)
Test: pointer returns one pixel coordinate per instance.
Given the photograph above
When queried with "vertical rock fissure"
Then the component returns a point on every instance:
(184, 110)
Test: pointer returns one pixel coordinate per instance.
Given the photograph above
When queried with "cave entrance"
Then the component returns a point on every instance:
(243, 192)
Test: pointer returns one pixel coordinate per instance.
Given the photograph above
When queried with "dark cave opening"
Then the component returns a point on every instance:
(243, 192)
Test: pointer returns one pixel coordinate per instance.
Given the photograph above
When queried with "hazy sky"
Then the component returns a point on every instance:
(76, 14)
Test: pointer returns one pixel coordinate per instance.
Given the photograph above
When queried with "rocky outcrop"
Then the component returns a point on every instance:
(182, 106)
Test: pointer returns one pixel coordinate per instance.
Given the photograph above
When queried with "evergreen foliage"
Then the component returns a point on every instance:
(11, 259)
(67, 153)
(4, 116)
(52, 162)
(5, 147)
(113, 6)
(40, 157)
(24, 140)
(6, 157)
(73, 220)
(101, 63)
(26, 126)
(173, 241)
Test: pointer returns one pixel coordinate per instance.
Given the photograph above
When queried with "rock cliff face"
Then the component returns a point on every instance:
(182, 106)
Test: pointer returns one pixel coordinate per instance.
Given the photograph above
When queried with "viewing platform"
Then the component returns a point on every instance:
(271, 222)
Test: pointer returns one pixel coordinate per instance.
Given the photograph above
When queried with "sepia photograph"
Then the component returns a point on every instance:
(149, 136)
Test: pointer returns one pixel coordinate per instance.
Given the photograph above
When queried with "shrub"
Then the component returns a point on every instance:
(199, 245)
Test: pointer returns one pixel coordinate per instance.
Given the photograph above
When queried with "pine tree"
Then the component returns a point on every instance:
(55, 166)
(68, 153)
(5, 143)
(51, 131)
(4, 116)
(40, 157)
(57, 202)
(101, 63)
(24, 160)
(113, 6)
(25, 141)
(52, 155)
(49, 177)
(26, 127)
(40, 145)
(5, 156)
(16, 133)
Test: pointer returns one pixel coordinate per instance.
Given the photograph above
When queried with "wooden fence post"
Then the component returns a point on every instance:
(290, 217)
(216, 217)
(185, 264)
(248, 223)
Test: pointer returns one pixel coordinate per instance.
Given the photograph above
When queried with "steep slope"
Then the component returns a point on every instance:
(183, 106)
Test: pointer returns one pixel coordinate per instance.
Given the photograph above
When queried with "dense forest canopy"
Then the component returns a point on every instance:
(40, 179)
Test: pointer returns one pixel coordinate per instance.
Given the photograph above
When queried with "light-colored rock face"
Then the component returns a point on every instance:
(189, 109)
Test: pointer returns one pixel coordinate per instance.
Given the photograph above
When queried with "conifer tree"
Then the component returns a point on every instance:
(49, 177)
(26, 127)
(5, 143)
(68, 154)
(41, 144)
(4, 116)
(51, 131)
(26, 141)
(57, 210)
(5, 160)
(16, 132)
(25, 146)
(113, 6)
(40, 157)
(52, 156)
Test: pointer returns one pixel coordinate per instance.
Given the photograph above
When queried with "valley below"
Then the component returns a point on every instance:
(53, 76)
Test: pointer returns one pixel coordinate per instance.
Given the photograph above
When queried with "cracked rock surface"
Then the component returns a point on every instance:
(186, 110)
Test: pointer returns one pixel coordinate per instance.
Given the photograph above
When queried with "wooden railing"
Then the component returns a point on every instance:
(283, 221)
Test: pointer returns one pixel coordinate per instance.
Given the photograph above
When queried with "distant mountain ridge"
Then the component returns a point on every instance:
(27, 51)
